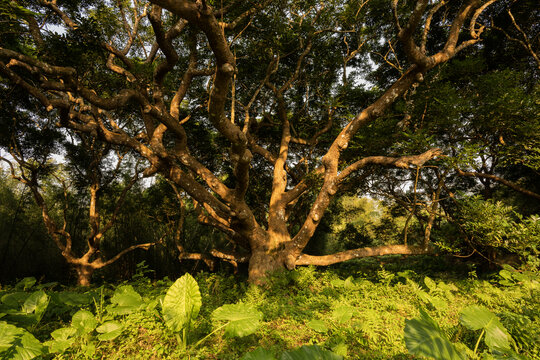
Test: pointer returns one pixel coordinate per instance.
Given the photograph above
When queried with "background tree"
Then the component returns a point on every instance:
(90, 176)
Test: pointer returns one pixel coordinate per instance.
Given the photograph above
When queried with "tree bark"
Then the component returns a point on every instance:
(84, 274)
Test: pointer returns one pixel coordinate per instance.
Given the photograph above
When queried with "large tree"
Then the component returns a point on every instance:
(255, 110)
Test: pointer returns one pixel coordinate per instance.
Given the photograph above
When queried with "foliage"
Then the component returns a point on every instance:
(241, 320)
(356, 311)
(303, 353)
(17, 343)
(424, 337)
(181, 305)
(493, 226)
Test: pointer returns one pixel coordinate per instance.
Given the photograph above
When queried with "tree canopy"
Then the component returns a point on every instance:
(262, 113)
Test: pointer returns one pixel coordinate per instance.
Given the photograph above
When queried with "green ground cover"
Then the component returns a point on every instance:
(358, 311)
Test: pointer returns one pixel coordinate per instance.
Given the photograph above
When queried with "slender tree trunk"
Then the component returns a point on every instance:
(432, 213)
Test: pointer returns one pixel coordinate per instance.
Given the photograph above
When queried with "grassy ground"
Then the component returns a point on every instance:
(357, 310)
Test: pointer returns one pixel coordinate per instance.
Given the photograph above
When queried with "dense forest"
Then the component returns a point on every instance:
(318, 144)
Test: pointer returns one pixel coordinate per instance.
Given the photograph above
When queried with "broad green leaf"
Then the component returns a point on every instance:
(18, 344)
(341, 349)
(84, 321)
(497, 337)
(505, 274)
(431, 285)
(74, 299)
(109, 330)
(337, 283)
(349, 283)
(63, 338)
(506, 355)
(89, 349)
(36, 303)
(317, 325)
(26, 283)
(28, 348)
(243, 319)
(259, 354)
(424, 296)
(478, 317)
(63, 333)
(125, 301)
(151, 305)
(48, 285)
(14, 300)
(423, 337)
(342, 314)
(181, 303)
(59, 346)
(8, 334)
(439, 303)
(310, 352)
(21, 319)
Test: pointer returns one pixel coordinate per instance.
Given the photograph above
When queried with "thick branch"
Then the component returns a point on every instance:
(99, 263)
(256, 7)
(402, 162)
(325, 260)
(164, 44)
(499, 180)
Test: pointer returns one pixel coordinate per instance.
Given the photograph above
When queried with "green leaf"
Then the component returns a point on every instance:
(18, 344)
(181, 303)
(29, 348)
(109, 330)
(259, 354)
(14, 300)
(317, 325)
(89, 349)
(8, 334)
(243, 319)
(74, 299)
(497, 337)
(84, 321)
(58, 346)
(337, 283)
(63, 338)
(63, 333)
(506, 355)
(505, 274)
(349, 283)
(343, 314)
(310, 352)
(478, 317)
(36, 303)
(341, 349)
(431, 285)
(125, 301)
(26, 283)
(423, 337)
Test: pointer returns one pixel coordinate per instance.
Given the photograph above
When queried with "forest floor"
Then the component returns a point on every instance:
(357, 310)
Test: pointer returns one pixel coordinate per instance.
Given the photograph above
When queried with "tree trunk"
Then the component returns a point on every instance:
(84, 274)
(263, 263)
(268, 254)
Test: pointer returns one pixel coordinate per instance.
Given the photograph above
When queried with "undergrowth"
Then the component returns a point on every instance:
(357, 311)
